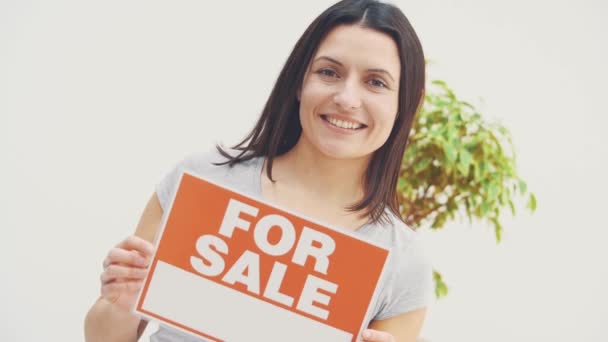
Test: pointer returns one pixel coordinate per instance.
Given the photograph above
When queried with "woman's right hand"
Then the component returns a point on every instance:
(124, 270)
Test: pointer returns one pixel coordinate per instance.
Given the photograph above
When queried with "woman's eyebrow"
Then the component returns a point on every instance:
(378, 70)
(329, 59)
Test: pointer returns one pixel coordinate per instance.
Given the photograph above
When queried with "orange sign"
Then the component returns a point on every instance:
(229, 267)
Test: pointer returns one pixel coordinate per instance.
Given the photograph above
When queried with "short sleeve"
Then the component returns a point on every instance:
(198, 163)
(165, 189)
(410, 285)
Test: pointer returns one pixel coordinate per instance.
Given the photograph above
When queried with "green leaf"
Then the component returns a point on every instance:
(497, 229)
(439, 82)
(441, 289)
(423, 164)
(464, 161)
(467, 205)
(477, 171)
(440, 220)
(401, 184)
(485, 208)
(512, 206)
(492, 191)
(450, 152)
(523, 187)
(531, 203)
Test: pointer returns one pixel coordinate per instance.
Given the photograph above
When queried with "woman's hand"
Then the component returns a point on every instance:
(371, 335)
(124, 270)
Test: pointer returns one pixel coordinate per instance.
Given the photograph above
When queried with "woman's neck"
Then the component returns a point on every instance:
(338, 180)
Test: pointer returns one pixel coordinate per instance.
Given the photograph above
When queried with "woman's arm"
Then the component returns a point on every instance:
(110, 319)
(401, 328)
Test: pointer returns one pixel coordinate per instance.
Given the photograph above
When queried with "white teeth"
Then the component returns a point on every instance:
(343, 124)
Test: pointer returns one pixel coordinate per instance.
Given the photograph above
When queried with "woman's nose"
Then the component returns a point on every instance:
(348, 98)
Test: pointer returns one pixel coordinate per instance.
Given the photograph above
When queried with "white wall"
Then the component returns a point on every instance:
(98, 99)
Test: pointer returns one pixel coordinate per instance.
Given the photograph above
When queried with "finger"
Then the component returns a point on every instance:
(114, 272)
(112, 291)
(122, 256)
(132, 242)
(370, 335)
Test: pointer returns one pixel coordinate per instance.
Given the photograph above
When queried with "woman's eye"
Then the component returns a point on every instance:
(377, 83)
(327, 72)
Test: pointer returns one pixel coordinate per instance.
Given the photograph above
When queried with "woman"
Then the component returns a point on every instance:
(328, 144)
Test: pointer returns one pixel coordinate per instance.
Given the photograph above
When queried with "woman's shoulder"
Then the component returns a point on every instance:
(391, 232)
(212, 161)
(204, 160)
(212, 165)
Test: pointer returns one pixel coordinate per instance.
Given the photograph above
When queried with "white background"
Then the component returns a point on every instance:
(99, 99)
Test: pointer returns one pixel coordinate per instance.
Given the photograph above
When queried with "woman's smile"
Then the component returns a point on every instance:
(342, 125)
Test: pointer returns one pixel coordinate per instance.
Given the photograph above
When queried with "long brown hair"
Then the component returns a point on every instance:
(278, 128)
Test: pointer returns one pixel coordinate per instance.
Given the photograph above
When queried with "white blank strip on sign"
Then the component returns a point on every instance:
(227, 314)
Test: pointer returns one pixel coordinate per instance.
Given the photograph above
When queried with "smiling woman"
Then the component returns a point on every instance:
(347, 108)
(328, 145)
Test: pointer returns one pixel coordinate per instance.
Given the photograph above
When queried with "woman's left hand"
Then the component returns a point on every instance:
(371, 335)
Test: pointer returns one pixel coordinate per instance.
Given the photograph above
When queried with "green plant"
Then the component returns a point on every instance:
(457, 164)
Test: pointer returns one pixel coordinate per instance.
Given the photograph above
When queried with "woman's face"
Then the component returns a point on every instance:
(350, 93)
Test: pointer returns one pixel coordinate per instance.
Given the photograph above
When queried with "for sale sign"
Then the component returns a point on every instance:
(229, 267)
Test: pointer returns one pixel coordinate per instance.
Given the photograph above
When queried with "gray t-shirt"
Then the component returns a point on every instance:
(406, 284)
